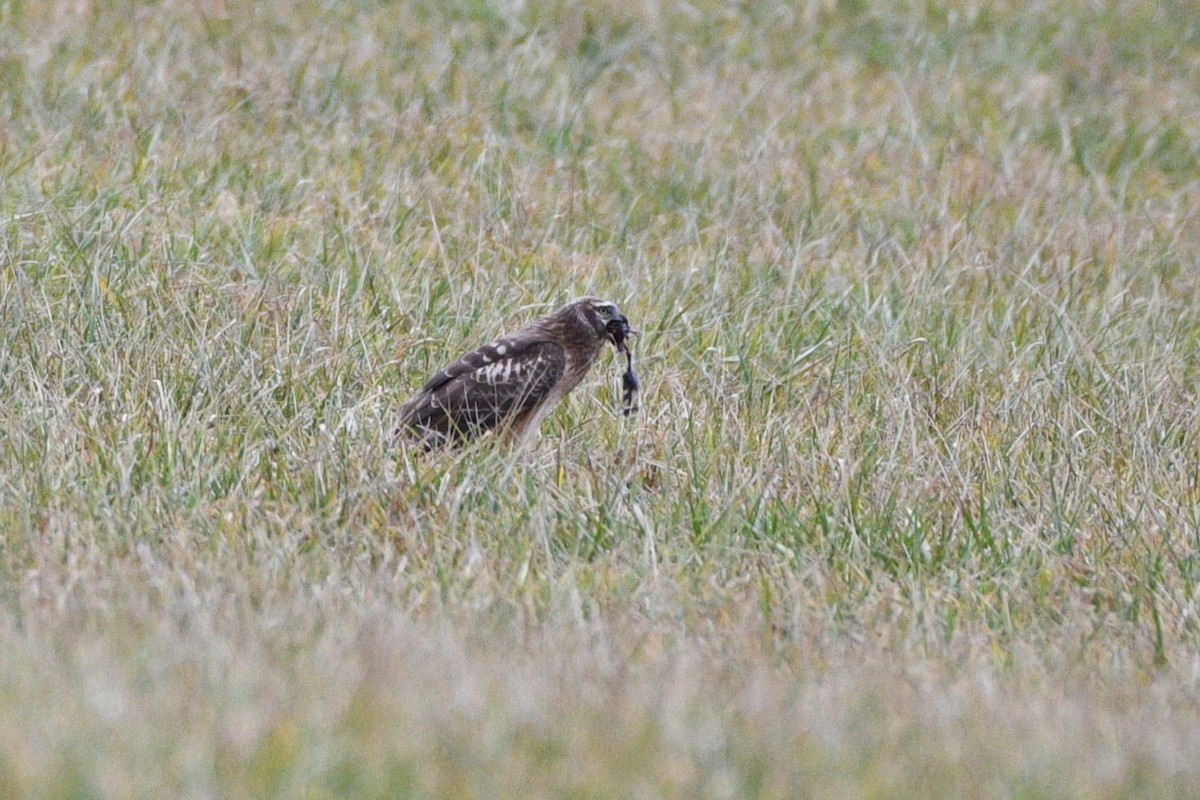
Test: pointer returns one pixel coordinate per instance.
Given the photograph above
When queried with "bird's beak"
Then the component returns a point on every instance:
(618, 331)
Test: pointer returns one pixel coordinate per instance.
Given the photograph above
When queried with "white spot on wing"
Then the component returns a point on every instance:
(500, 371)
(501, 350)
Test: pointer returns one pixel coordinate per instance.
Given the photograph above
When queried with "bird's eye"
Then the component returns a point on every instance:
(605, 311)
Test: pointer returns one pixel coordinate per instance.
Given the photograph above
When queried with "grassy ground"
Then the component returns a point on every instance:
(913, 505)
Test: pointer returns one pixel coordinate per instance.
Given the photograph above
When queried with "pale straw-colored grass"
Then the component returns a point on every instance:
(910, 509)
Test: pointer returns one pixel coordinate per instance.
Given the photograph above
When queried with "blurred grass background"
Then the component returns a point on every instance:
(911, 507)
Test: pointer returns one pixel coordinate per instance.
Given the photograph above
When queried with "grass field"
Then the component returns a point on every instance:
(912, 508)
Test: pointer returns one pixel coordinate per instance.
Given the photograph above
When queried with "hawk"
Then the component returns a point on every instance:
(512, 382)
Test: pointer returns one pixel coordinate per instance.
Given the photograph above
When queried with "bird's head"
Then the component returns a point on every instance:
(604, 319)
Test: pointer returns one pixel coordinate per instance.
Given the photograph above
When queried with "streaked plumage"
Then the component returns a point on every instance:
(513, 381)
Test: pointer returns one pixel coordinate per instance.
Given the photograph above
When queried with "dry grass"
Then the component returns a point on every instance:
(913, 505)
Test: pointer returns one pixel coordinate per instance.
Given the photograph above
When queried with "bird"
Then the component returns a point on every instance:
(512, 382)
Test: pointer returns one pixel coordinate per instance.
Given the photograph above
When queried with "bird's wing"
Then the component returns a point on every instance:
(484, 387)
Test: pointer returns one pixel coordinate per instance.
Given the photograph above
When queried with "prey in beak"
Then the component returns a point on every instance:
(619, 331)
